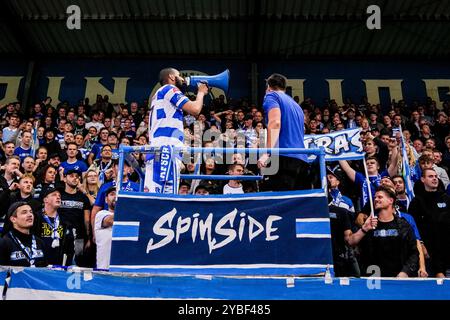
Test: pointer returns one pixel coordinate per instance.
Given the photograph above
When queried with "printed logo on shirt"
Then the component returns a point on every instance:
(442, 205)
(71, 204)
(383, 233)
(47, 230)
(18, 255)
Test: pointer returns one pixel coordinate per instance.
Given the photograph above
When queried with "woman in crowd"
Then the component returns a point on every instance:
(45, 181)
(90, 185)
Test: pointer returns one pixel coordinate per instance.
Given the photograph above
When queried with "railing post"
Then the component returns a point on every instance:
(119, 176)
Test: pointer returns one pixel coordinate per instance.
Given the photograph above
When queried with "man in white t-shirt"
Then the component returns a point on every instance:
(234, 186)
(103, 230)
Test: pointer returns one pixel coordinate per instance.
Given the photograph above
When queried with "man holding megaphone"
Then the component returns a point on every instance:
(166, 130)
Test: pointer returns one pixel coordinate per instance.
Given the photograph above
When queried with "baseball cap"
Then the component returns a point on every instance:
(70, 171)
(50, 191)
(12, 208)
(109, 190)
(336, 171)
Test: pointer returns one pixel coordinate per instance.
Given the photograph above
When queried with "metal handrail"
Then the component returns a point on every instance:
(319, 152)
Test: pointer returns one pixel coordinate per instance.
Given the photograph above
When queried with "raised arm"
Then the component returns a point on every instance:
(195, 107)
(394, 157)
(349, 171)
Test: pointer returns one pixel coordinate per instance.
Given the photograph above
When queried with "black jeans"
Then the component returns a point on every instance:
(293, 174)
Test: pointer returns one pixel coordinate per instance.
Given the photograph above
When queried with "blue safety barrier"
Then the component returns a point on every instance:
(33, 283)
(124, 152)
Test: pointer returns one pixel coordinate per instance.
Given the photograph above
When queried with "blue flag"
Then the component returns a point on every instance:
(35, 144)
(406, 171)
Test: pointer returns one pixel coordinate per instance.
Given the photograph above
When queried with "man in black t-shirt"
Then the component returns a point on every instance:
(20, 247)
(56, 234)
(387, 241)
(75, 210)
(431, 210)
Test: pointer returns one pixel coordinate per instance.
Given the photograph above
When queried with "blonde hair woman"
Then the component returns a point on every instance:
(90, 185)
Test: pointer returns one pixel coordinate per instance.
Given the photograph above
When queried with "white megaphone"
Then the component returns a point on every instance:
(220, 80)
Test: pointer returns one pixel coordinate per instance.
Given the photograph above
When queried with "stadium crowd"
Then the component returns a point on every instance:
(59, 167)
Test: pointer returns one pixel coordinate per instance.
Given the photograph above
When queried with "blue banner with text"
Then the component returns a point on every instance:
(271, 234)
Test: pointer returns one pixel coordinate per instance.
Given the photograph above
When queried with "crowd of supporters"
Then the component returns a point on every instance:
(60, 164)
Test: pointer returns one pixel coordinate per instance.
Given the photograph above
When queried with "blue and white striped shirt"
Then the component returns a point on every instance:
(166, 119)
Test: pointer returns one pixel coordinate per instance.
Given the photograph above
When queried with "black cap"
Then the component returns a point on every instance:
(70, 171)
(332, 173)
(14, 207)
(50, 190)
(109, 190)
(336, 171)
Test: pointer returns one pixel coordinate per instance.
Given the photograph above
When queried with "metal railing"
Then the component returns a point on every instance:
(124, 153)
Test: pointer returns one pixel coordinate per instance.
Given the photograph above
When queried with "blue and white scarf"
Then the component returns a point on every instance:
(375, 183)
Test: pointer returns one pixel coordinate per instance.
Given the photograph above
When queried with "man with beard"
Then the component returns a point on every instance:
(103, 230)
(400, 189)
(166, 130)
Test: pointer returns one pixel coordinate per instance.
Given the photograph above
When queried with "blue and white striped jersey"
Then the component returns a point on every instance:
(166, 118)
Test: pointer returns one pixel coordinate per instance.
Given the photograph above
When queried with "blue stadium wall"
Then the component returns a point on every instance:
(134, 80)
